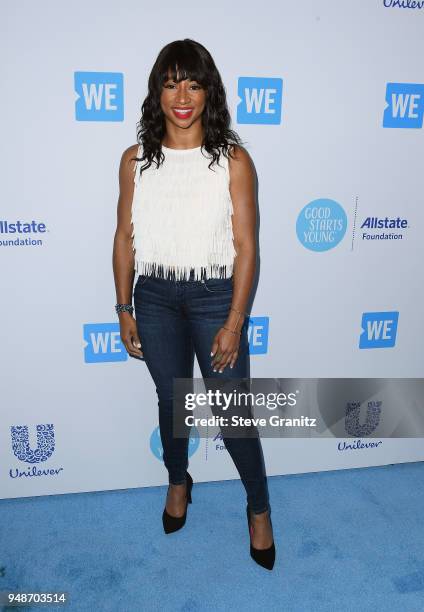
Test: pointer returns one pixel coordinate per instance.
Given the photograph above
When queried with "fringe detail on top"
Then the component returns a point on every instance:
(181, 217)
(182, 273)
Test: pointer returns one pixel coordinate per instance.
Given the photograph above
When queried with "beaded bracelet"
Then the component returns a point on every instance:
(124, 308)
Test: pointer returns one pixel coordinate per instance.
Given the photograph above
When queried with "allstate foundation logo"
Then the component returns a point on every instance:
(257, 334)
(384, 228)
(378, 329)
(23, 451)
(260, 100)
(22, 233)
(218, 442)
(404, 105)
(321, 225)
(156, 443)
(100, 96)
(103, 343)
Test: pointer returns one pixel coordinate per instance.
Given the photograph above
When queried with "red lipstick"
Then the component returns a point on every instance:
(182, 112)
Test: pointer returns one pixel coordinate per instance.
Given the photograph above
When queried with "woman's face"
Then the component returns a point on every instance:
(182, 103)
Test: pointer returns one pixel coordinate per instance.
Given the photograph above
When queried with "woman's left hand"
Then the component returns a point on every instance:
(224, 349)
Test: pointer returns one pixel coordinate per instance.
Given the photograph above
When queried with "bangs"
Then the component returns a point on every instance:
(184, 65)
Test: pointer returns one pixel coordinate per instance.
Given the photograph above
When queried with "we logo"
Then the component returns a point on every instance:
(258, 335)
(405, 105)
(260, 100)
(103, 343)
(100, 96)
(378, 329)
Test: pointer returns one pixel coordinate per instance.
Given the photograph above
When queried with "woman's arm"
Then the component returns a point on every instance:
(242, 190)
(123, 254)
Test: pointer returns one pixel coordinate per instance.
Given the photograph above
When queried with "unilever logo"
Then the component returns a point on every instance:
(378, 329)
(321, 225)
(405, 105)
(332, 405)
(100, 96)
(355, 428)
(22, 233)
(22, 450)
(156, 443)
(260, 100)
(372, 418)
(357, 445)
(405, 4)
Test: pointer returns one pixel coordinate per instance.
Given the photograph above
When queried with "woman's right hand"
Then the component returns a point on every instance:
(129, 334)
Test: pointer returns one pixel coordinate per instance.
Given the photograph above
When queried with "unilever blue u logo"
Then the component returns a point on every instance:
(321, 225)
(372, 418)
(156, 443)
(22, 449)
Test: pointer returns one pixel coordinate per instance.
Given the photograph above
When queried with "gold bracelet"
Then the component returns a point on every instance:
(239, 311)
(233, 331)
(238, 318)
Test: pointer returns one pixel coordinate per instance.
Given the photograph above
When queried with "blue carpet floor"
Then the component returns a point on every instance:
(350, 540)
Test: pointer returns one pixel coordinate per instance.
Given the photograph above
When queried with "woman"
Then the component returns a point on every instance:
(186, 225)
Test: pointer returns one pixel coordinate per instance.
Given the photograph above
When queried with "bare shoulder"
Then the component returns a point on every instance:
(127, 169)
(239, 153)
(129, 154)
(127, 164)
(239, 161)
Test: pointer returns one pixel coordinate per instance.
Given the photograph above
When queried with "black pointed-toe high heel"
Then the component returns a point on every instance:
(173, 523)
(265, 556)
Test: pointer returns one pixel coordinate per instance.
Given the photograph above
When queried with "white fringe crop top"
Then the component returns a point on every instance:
(181, 216)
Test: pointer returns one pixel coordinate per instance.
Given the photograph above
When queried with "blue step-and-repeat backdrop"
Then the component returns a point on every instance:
(328, 97)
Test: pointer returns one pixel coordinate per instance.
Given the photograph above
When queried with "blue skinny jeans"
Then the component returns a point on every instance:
(177, 319)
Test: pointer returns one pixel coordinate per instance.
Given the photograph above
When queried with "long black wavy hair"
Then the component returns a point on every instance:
(194, 62)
